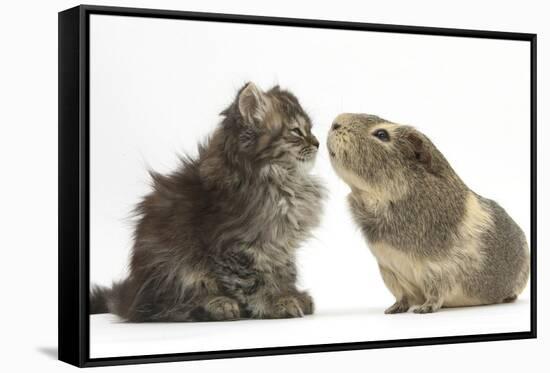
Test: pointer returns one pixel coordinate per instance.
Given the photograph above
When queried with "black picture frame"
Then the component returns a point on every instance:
(74, 186)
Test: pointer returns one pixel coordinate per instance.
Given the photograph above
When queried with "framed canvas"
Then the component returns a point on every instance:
(234, 186)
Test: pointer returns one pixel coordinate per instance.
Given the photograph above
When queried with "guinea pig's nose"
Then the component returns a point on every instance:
(335, 126)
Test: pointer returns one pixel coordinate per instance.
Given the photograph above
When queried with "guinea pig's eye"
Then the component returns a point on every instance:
(297, 132)
(382, 135)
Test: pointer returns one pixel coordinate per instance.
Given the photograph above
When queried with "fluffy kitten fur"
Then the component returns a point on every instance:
(216, 240)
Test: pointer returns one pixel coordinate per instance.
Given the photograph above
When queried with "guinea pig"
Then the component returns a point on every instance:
(437, 243)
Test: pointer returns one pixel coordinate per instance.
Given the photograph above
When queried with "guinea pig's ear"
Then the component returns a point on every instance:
(420, 151)
(253, 104)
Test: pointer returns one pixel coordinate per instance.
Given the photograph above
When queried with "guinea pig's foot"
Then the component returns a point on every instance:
(398, 307)
(428, 307)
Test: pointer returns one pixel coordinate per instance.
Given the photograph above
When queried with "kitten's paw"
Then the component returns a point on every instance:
(223, 308)
(427, 308)
(397, 307)
(287, 307)
(306, 302)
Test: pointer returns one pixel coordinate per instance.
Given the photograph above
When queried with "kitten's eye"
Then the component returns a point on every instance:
(297, 132)
(382, 135)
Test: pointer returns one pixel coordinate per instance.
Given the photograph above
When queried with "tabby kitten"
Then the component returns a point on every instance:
(216, 240)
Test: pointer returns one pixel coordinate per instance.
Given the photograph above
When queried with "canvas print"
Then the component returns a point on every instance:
(259, 186)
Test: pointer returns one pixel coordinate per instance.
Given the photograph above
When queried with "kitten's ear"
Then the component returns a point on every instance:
(253, 103)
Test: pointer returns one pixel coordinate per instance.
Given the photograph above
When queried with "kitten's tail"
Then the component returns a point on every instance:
(99, 299)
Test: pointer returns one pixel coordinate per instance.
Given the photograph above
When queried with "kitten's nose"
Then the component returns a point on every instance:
(335, 126)
(314, 142)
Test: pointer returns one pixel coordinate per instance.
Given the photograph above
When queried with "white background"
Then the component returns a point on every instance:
(28, 154)
(157, 86)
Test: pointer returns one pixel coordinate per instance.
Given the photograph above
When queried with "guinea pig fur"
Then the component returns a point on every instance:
(437, 243)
